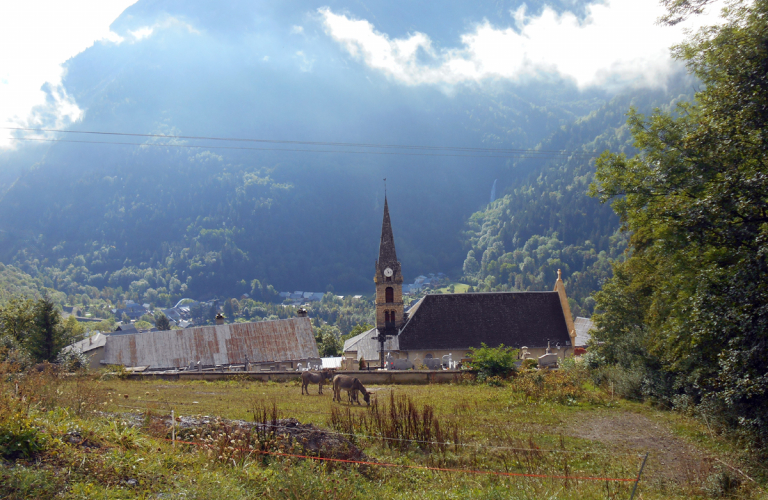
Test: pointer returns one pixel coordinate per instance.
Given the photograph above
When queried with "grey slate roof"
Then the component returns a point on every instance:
(583, 326)
(463, 320)
(367, 347)
(93, 342)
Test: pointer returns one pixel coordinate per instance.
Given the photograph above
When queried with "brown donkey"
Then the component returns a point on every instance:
(352, 386)
(314, 378)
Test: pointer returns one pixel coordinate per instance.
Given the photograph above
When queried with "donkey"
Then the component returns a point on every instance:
(314, 378)
(352, 386)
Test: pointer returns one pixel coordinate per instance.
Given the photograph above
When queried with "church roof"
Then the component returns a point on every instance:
(463, 320)
(387, 254)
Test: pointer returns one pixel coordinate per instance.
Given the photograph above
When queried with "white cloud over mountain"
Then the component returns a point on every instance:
(617, 44)
(36, 38)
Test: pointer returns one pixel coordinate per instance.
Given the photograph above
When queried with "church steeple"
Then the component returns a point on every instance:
(387, 253)
(389, 281)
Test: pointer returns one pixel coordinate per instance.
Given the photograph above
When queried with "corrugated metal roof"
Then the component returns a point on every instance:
(582, 327)
(264, 341)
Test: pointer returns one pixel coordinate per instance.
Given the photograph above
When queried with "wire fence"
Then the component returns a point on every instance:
(418, 441)
(421, 467)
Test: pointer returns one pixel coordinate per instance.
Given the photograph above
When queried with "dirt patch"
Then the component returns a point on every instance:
(312, 440)
(669, 457)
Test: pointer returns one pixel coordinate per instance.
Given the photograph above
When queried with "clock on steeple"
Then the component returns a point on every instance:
(389, 281)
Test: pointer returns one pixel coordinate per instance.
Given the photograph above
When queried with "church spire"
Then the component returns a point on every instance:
(387, 254)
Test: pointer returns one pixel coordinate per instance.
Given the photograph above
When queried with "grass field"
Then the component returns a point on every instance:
(540, 425)
(457, 288)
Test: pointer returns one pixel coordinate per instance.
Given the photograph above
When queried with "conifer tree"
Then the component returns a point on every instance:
(47, 336)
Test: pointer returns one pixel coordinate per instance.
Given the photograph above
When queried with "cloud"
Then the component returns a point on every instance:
(297, 30)
(168, 22)
(305, 63)
(142, 33)
(36, 38)
(617, 44)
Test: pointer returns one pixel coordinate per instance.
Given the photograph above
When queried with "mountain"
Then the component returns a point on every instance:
(548, 222)
(170, 217)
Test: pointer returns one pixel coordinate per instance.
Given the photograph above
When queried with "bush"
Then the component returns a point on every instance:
(492, 361)
(71, 360)
(529, 364)
(629, 383)
(13, 357)
(19, 439)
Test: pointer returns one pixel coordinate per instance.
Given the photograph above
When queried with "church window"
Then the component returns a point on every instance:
(389, 278)
(389, 294)
(386, 316)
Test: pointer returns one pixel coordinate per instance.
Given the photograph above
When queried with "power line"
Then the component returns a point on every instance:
(311, 143)
(521, 155)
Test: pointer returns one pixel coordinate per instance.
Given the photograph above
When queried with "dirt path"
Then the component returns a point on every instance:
(670, 457)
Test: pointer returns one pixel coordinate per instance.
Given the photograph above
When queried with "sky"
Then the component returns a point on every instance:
(36, 38)
(619, 43)
(616, 45)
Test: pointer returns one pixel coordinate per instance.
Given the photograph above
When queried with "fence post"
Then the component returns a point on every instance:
(173, 428)
(634, 489)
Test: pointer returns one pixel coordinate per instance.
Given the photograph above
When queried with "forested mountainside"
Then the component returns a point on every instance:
(162, 218)
(548, 222)
(168, 224)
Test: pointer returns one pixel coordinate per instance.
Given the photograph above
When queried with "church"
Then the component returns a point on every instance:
(443, 324)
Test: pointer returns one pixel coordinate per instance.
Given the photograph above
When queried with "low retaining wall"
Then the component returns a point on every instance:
(383, 377)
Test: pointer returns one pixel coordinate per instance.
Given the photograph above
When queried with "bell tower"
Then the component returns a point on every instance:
(389, 282)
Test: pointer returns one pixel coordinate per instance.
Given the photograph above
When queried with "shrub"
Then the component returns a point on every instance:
(529, 364)
(628, 383)
(71, 360)
(492, 361)
(19, 439)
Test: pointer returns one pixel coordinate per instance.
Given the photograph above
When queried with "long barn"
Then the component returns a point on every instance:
(286, 340)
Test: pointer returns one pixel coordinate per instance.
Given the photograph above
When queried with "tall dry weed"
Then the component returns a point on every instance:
(399, 424)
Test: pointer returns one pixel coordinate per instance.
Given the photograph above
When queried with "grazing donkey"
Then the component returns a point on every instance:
(314, 378)
(352, 386)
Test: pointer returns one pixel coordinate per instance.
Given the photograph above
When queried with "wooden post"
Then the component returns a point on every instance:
(638, 477)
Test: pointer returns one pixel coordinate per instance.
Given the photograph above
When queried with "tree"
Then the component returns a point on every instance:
(17, 318)
(47, 336)
(356, 330)
(229, 309)
(73, 328)
(492, 361)
(125, 319)
(328, 340)
(162, 322)
(690, 303)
